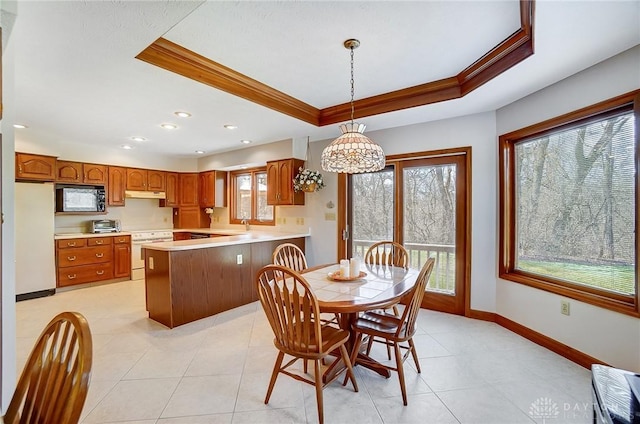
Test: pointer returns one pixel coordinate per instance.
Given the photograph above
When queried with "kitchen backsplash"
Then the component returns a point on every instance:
(138, 214)
(288, 220)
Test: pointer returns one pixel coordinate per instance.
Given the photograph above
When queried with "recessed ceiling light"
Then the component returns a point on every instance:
(183, 114)
(169, 126)
(200, 152)
(20, 126)
(231, 127)
(127, 147)
(245, 141)
(137, 138)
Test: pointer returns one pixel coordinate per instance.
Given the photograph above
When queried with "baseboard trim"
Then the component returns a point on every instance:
(553, 345)
(35, 295)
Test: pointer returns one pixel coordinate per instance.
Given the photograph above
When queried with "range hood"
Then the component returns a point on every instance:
(135, 194)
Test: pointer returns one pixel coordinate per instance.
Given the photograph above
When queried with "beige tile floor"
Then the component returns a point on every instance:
(216, 370)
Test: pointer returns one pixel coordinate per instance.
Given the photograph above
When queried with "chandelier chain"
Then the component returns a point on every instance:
(352, 84)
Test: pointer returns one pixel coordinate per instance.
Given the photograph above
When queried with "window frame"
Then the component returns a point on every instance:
(233, 180)
(626, 304)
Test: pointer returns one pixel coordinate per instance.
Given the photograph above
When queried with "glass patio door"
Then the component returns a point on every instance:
(421, 204)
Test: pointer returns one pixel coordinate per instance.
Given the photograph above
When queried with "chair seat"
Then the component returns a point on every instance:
(380, 324)
(332, 338)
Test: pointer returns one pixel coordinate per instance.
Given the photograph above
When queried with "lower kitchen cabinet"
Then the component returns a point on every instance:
(92, 259)
(121, 256)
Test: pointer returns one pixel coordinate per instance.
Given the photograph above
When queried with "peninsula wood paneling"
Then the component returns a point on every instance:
(188, 285)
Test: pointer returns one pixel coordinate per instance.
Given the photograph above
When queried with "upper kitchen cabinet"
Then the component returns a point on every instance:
(280, 176)
(82, 173)
(172, 191)
(95, 174)
(188, 191)
(145, 180)
(116, 186)
(213, 189)
(35, 167)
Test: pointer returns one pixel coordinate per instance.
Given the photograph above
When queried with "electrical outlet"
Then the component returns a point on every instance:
(239, 259)
(565, 307)
(329, 216)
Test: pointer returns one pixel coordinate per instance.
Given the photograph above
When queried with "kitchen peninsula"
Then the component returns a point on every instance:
(188, 280)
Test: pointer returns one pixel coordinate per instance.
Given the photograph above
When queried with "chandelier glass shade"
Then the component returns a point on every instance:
(352, 152)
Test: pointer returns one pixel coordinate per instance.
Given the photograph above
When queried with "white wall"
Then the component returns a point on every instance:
(608, 336)
(107, 155)
(8, 307)
(477, 131)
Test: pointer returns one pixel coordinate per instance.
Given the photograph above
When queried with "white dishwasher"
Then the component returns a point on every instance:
(138, 238)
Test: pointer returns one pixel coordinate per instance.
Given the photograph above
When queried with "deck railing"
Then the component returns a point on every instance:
(443, 274)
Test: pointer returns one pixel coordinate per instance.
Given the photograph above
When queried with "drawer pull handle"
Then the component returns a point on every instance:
(99, 241)
(71, 244)
(71, 277)
(100, 272)
(71, 258)
(99, 255)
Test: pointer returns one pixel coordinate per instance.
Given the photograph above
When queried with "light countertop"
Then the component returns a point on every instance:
(65, 236)
(238, 238)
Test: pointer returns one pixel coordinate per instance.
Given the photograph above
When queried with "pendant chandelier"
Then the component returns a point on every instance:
(352, 152)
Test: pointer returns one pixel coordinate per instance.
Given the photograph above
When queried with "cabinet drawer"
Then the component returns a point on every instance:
(88, 255)
(98, 241)
(121, 239)
(70, 243)
(84, 274)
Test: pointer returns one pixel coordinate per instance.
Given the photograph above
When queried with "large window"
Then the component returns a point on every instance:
(249, 198)
(569, 205)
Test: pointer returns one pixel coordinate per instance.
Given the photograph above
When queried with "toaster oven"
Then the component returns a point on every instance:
(105, 226)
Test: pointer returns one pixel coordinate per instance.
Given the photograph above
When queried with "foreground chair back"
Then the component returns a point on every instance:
(291, 256)
(387, 253)
(293, 313)
(393, 330)
(54, 383)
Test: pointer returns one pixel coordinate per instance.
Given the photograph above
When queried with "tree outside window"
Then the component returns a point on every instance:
(569, 206)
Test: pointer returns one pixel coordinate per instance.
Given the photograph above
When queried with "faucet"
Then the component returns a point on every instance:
(245, 221)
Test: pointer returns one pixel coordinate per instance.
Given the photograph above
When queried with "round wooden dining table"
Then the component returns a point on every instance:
(381, 287)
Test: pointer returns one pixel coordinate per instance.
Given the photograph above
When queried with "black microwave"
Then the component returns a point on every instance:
(80, 199)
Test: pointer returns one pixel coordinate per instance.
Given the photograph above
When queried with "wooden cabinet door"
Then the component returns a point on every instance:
(95, 174)
(117, 178)
(285, 182)
(35, 167)
(172, 191)
(122, 256)
(273, 182)
(280, 176)
(68, 172)
(188, 189)
(155, 180)
(207, 185)
(190, 217)
(136, 179)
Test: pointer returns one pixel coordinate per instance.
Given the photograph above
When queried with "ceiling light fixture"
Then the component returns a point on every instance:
(169, 126)
(126, 147)
(352, 152)
(231, 127)
(183, 114)
(245, 141)
(200, 152)
(19, 126)
(137, 138)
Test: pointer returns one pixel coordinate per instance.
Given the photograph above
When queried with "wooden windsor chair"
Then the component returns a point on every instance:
(53, 385)
(294, 315)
